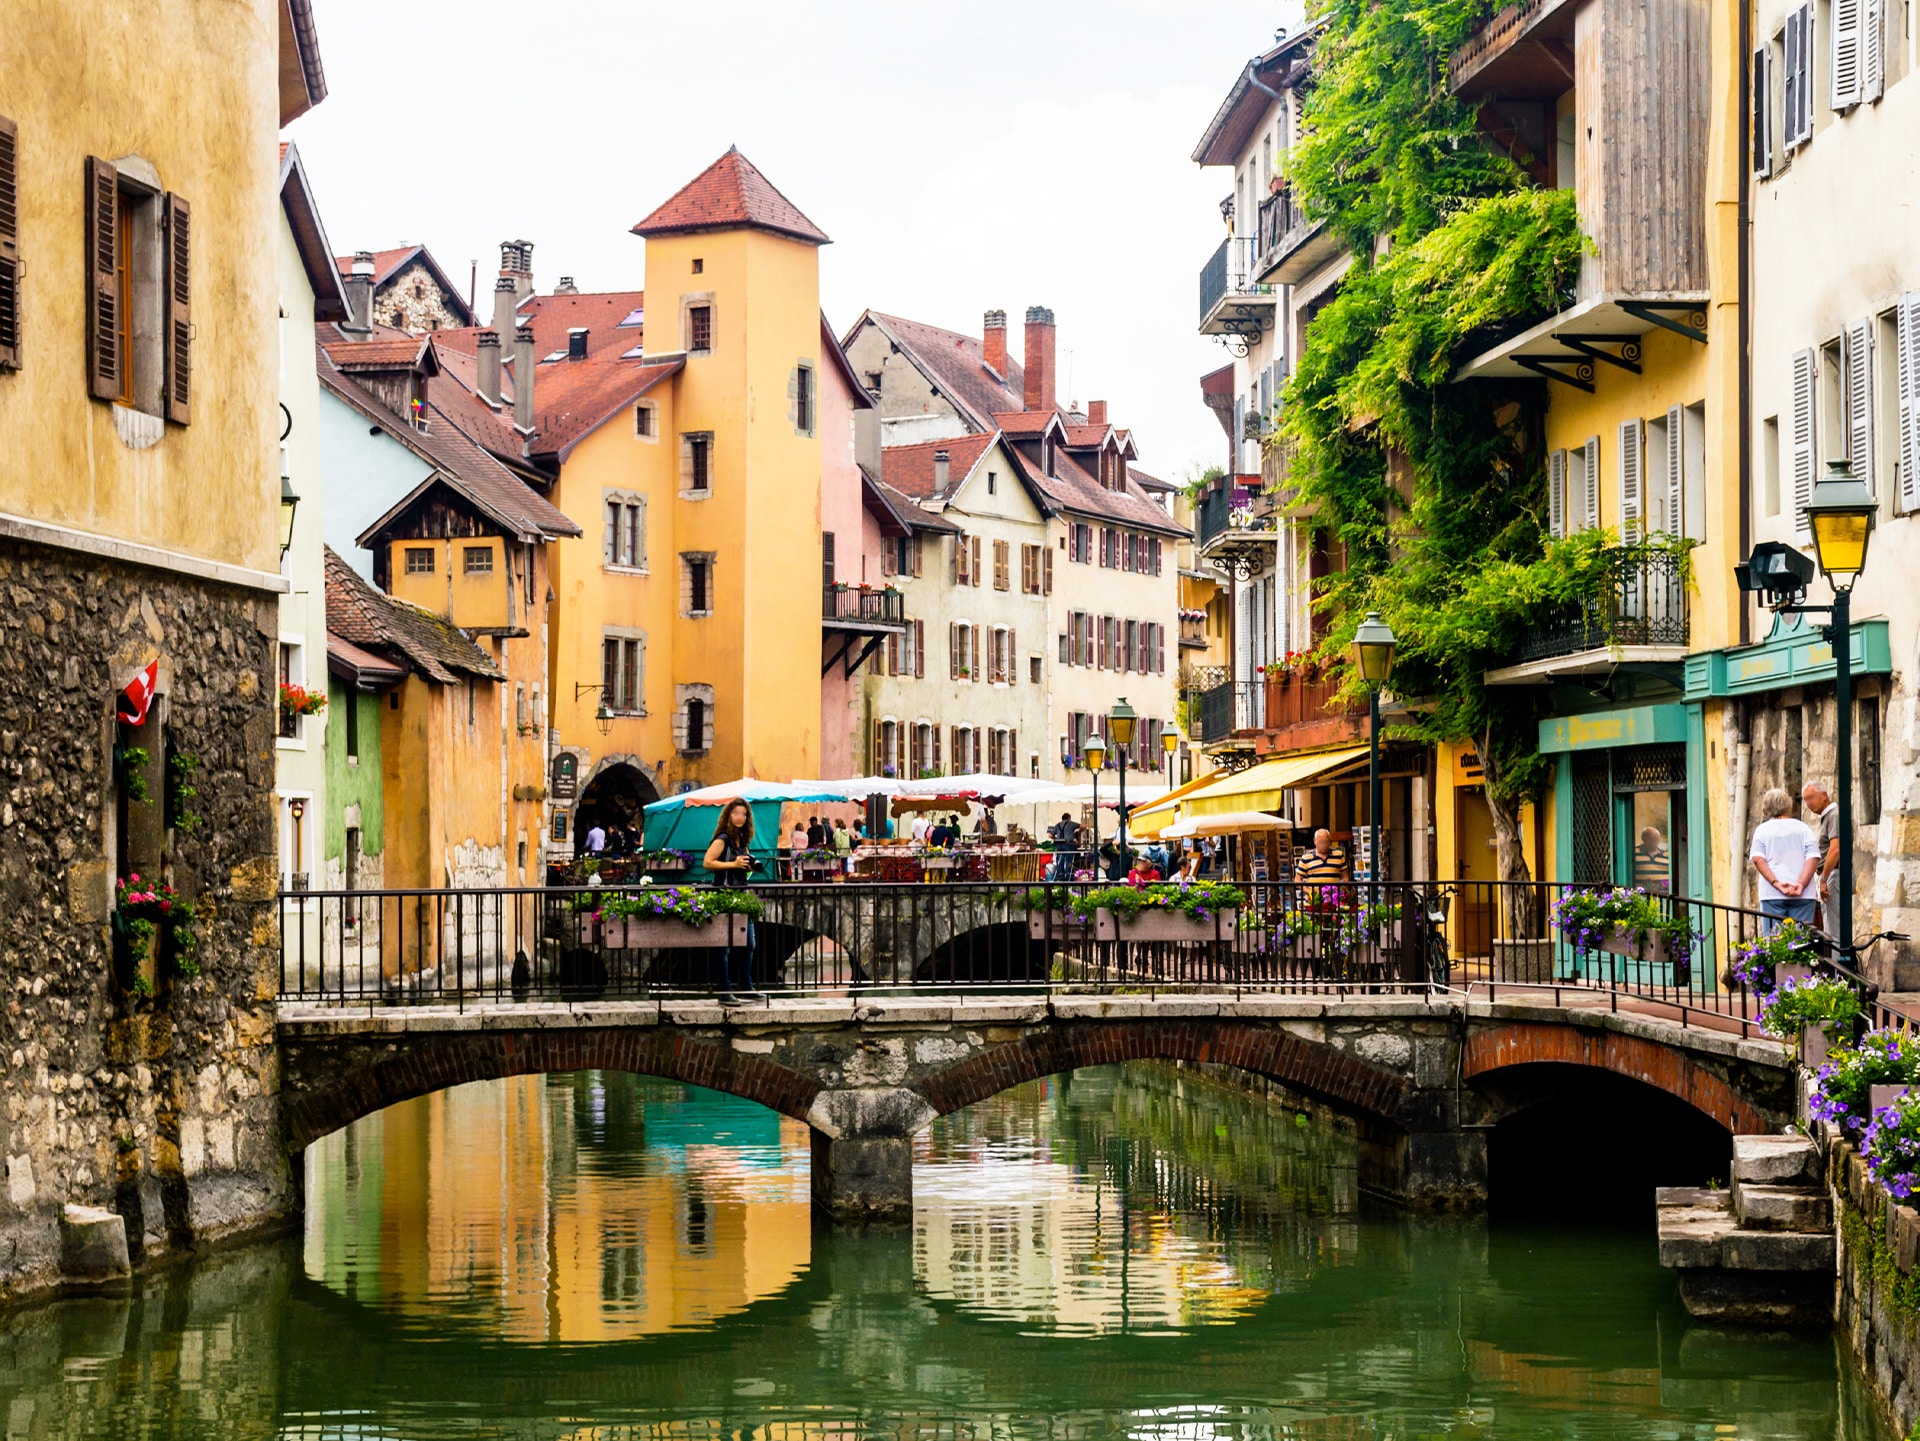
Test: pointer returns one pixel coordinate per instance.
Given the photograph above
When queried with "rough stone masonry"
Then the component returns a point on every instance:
(158, 1108)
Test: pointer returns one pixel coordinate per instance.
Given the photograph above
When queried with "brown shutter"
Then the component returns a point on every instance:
(976, 750)
(976, 560)
(953, 650)
(9, 245)
(1013, 752)
(919, 650)
(875, 757)
(1046, 577)
(975, 653)
(179, 311)
(953, 560)
(103, 281)
(1013, 656)
(915, 547)
(934, 731)
(886, 557)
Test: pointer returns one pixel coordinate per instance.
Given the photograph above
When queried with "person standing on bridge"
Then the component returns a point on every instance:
(1785, 855)
(1827, 810)
(730, 858)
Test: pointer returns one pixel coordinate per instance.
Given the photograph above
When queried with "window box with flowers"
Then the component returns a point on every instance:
(1187, 911)
(295, 702)
(666, 918)
(1626, 922)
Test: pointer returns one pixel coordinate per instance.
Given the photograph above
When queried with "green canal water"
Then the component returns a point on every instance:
(1128, 1252)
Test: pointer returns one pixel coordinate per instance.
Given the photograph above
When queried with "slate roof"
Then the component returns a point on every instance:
(730, 194)
(373, 621)
(956, 364)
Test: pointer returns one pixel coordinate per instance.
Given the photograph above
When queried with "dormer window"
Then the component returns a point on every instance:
(577, 344)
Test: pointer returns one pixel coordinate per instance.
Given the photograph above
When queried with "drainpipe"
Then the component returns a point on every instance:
(1253, 79)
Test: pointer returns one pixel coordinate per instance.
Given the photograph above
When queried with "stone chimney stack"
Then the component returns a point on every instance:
(360, 296)
(523, 364)
(566, 286)
(516, 264)
(505, 301)
(993, 339)
(1096, 412)
(942, 468)
(489, 365)
(1037, 359)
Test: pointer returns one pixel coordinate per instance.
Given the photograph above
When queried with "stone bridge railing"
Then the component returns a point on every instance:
(1424, 1079)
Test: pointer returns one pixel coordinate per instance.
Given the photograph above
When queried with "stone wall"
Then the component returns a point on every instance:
(161, 1107)
(1877, 1300)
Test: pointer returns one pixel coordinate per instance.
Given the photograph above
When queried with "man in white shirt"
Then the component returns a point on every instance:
(596, 839)
(920, 829)
(1785, 854)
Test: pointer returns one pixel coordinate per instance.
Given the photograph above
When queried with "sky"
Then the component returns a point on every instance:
(963, 157)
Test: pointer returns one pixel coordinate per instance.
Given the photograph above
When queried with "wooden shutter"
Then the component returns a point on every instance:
(953, 650)
(1013, 752)
(1800, 435)
(1013, 656)
(1790, 80)
(1761, 141)
(1159, 648)
(920, 650)
(976, 749)
(1873, 52)
(1633, 489)
(887, 554)
(953, 748)
(9, 245)
(1590, 491)
(976, 560)
(1843, 54)
(177, 235)
(915, 547)
(1857, 356)
(1907, 352)
(934, 735)
(1046, 571)
(1557, 494)
(876, 758)
(1675, 477)
(103, 281)
(974, 656)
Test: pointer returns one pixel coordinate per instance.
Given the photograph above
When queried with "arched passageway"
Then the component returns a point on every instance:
(615, 800)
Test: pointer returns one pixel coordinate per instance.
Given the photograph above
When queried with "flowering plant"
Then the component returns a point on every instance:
(1797, 1004)
(1755, 965)
(1891, 1146)
(1195, 899)
(816, 856)
(145, 909)
(297, 700)
(664, 859)
(678, 903)
(1586, 918)
(1292, 661)
(1840, 1091)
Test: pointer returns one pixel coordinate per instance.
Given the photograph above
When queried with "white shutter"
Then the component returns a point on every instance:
(1804, 90)
(1907, 348)
(1790, 81)
(1844, 53)
(1676, 477)
(1557, 493)
(1762, 151)
(1633, 490)
(1857, 342)
(1873, 49)
(1800, 436)
(1590, 520)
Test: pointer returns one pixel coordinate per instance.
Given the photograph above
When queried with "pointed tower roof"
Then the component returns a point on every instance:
(731, 194)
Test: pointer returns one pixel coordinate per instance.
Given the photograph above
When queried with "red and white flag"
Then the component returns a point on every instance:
(138, 696)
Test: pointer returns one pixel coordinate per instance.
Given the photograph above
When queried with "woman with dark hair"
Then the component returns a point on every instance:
(729, 858)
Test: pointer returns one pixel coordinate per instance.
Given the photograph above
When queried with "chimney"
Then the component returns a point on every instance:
(994, 342)
(489, 359)
(523, 379)
(505, 304)
(360, 296)
(516, 264)
(1037, 359)
(577, 343)
(1096, 412)
(940, 471)
(566, 286)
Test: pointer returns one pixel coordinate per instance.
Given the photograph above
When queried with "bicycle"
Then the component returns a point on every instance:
(1436, 905)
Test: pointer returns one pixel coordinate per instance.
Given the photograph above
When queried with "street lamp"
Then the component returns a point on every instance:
(1373, 647)
(1841, 516)
(1121, 722)
(289, 502)
(1170, 742)
(1093, 755)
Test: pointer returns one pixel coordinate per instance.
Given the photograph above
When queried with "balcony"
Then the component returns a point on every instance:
(1522, 52)
(851, 607)
(1193, 630)
(1272, 714)
(1639, 617)
(1291, 246)
(1232, 303)
(1228, 535)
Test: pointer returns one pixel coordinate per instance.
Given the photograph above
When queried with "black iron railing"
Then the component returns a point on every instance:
(554, 943)
(1641, 600)
(851, 603)
(1231, 706)
(1228, 271)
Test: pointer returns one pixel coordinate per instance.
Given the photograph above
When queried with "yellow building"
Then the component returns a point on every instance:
(687, 626)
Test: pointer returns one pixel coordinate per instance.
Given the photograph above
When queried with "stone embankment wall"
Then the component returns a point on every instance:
(161, 1108)
(1877, 1299)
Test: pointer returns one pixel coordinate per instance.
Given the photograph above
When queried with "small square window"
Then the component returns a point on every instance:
(643, 421)
(478, 560)
(419, 560)
(699, 265)
(699, 327)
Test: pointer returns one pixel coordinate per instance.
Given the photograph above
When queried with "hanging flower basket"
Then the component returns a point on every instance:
(297, 700)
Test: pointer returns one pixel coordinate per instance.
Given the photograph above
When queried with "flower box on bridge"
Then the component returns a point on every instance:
(1651, 948)
(639, 934)
(1159, 923)
(1055, 925)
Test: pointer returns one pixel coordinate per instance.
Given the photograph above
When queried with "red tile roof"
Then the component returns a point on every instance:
(1083, 437)
(909, 468)
(385, 262)
(599, 314)
(955, 364)
(1072, 488)
(379, 352)
(730, 194)
(393, 629)
(1026, 422)
(571, 399)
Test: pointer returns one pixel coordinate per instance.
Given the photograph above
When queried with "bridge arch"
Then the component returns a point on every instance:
(1494, 1049)
(404, 1073)
(1313, 1068)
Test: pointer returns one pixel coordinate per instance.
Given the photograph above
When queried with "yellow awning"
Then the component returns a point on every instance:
(1145, 821)
(1259, 788)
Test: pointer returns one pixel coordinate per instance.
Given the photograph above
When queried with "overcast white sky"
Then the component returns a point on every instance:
(985, 154)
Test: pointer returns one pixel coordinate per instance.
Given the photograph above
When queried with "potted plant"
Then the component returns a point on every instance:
(664, 862)
(1813, 1013)
(1188, 911)
(818, 862)
(1761, 965)
(1890, 1146)
(676, 917)
(1849, 1088)
(1625, 922)
(297, 700)
(149, 914)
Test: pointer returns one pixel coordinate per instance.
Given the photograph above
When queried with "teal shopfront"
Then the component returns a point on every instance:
(1630, 797)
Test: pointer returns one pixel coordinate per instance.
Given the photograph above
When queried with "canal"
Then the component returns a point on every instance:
(1125, 1252)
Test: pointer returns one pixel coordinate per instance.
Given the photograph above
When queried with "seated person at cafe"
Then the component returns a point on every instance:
(1144, 871)
(1324, 865)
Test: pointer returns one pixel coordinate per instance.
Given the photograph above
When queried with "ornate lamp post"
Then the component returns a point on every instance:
(1093, 755)
(1170, 742)
(1121, 724)
(1373, 647)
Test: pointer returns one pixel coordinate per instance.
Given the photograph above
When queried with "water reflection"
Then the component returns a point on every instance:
(1129, 1254)
(567, 1208)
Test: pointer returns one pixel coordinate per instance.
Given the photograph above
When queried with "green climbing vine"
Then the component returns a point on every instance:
(1454, 247)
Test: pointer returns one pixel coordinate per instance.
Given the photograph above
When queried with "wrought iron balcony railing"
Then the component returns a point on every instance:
(1641, 602)
(876, 607)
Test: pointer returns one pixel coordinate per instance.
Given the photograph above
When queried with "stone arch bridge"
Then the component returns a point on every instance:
(1424, 1078)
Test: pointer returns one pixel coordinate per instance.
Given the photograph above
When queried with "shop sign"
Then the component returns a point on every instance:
(1629, 726)
(566, 776)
